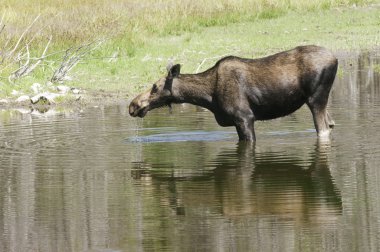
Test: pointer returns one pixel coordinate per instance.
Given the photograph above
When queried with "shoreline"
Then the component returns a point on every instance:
(89, 99)
(112, 67)
(97, 98)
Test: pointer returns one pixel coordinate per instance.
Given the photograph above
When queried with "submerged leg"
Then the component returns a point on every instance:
(321, 123)
(329, 119)
(318, 107)
(317, 102)
(245, 129)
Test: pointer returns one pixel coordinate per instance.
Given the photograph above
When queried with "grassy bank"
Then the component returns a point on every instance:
(138, 39)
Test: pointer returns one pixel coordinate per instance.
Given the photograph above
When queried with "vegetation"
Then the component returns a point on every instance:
(122, 44)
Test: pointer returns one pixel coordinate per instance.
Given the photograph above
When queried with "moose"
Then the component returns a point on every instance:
(240, 91)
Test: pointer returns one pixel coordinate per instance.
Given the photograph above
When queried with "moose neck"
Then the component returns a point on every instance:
(196, 89)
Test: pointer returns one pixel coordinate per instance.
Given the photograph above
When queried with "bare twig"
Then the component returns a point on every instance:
(7, 54)
(27, 68)
(18, 73)
(206, 59)
(71, 58)
(2, 50)
(2, 26)
(1, 22)
(36, 33)
(23, 34)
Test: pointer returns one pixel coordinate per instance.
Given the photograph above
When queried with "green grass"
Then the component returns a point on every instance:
(355, 29)
(144, 36)
(71, 21)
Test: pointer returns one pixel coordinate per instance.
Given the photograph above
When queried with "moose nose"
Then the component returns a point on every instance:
(132, 108)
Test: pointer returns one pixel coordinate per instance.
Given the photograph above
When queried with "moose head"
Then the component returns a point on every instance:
(160, 94)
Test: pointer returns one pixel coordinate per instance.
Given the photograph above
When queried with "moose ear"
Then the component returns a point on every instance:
(154, 88)
(174, 71)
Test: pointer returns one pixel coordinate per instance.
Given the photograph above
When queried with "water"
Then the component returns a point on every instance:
(99, 180)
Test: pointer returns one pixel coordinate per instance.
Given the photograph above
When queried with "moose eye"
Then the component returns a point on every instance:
(154, 88)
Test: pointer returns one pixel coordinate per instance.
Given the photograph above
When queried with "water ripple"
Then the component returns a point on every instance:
(186, 136)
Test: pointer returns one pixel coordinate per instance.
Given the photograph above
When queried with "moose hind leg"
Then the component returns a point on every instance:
(321, 122)
(317, 102)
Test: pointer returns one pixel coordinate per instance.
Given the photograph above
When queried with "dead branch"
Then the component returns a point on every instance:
(2, 25)
(2, 18)
(23, 34)
(205, 59)
(5, 53)
(2, 50)
(71, 58)
(27, 68)
(17, 74)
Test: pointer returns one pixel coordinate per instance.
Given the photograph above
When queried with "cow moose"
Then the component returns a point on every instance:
(241, 91)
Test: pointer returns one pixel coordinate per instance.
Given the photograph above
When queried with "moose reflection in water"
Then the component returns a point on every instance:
(244, 181)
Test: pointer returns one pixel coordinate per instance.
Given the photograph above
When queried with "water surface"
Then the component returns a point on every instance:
(99, 180)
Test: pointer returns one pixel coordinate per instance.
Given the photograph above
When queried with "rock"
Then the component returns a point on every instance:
(44, 112)
(49, 84)
(15, 92)
(37, 98)
(23, 98)
(4, 101)
(23, 111)
(47, 98)
(36, 88)
(63, 89)
(75, 91)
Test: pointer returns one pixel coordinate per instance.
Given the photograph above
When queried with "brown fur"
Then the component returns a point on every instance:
(240, 91)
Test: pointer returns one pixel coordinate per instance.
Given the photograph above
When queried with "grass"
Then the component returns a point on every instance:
(144, 36)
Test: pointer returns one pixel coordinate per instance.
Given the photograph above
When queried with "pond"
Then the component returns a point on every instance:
(99, 180)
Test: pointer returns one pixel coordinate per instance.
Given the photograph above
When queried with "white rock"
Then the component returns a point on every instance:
(35, 98)
(52, 96)
(50, 112)
(36, 88)
(23, 111)
(46, 97)
(75, 91)
(15, 92)
(49, 84)
(63, 89)
(3, 101)
(23, 98)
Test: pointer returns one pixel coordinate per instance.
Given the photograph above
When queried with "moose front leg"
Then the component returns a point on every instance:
(245, 129)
